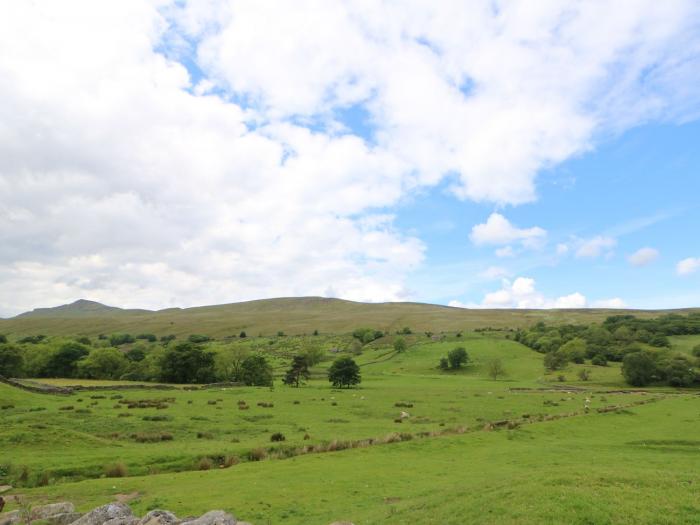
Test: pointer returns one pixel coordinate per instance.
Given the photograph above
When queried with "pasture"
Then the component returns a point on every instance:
(522, 446)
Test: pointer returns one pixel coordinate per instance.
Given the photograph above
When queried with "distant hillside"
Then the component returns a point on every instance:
(80, 308)
(297, 315)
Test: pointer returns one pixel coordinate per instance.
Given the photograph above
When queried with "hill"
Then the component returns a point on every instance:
(294, 315)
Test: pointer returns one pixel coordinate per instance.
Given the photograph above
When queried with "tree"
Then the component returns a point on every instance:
(639, 368)
(696, 351)
(165, 339)
(344, 372)
(187, 363)
(574, 350)
(229, 363)
(3, 339)
(457, 357)
(136, 354)
(679, 371)
(444, 363)
(495, 368)
(555, 360)
(11, 360)
(198, 338)
(151, 338)
(400, 345)
(313, 356)
(298, 371)
(120, 339)
(242, 335)
(367, 335)
(256, 371)
(63, 363)
(103, 363)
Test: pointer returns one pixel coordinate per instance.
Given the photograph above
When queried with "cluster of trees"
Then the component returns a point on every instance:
(367, 335)
(645, 341)
(455, 359)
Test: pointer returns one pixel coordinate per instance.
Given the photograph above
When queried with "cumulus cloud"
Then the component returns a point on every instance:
(614, 302)
(596, 246)
(522, 293)
(688, 266)
(497, 230)
(494, 272)
(505, 252)
(178, 153)
(643, 256)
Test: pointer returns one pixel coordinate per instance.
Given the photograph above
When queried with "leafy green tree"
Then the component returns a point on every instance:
(187, 363)
(555, 360)
(242, 335)
(444, 363)
(103, 363)
(639, 368)
(229, 363)
(64, 362)
(198, 338)
(84, 340)
(165, 339)
(136, 353)
(679, 371)
(400, 345)
(495, 368)
(367, 335)
(120, 339)
(298, 371)
(256, 371)
(344, 372)
(11, 360)
(574, 350)
(457, 357)
(313, 356)
(151, 338)
(3, 339)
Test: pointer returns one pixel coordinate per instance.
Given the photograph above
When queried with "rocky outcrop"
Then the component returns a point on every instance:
(115, 514)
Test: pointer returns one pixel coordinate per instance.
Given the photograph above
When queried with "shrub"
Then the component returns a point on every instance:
(257, 454)
(584, 374)
(205, 463)
(205, 435)
(277, 436)
(599, 360)
(457, 357)
(344, 372)
(116, 470)
(230, 461)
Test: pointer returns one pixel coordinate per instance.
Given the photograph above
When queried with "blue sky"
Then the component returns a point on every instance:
(476, 154)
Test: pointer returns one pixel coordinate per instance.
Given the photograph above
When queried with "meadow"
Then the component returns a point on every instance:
(519, 449)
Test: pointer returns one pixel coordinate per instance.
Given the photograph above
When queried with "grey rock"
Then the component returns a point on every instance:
(123, 520)
(10, 518)
(46, 511)
(213, 517)
(65, 518)
(159, 517)
(105, 513)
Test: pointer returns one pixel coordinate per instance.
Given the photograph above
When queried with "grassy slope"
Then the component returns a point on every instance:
(292, 315)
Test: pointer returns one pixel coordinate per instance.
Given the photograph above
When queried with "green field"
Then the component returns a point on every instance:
(445, 463)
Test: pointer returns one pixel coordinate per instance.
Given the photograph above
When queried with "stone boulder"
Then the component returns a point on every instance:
(105, 513)
(10, 518)
(159, 517)
(213, 517)
(47, 511)
(65, 518)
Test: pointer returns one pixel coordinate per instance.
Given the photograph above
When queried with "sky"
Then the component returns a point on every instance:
(474, 154)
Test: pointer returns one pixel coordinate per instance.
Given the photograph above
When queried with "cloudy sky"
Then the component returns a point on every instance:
(482, 153)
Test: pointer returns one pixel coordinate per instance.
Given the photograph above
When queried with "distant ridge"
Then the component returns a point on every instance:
(290, 315)
(79, 308)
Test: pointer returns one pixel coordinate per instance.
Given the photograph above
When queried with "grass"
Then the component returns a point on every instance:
(291, 315)
(453, 460)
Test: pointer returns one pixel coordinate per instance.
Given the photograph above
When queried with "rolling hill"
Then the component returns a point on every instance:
(293, 315)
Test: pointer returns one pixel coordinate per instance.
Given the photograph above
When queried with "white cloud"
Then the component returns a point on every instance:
(495, 272)
(125, 180)
(596, 246)
(688, 266)
(614, 302)
(522, 293)
(498, 230)
(562, 249)
(643, 256)
(505, 252)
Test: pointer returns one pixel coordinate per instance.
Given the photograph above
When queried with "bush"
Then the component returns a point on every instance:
(696, 351)
(205, 463)
(116, 470)
(457, 357)
(277, 436)
(639, 368)
(344, 372)
(198, 338)
(205, 435)
(599, 360)
(584, 374)
(257, 454)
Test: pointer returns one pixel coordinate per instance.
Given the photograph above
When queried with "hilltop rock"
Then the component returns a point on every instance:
(65, 518)
(47, 511)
